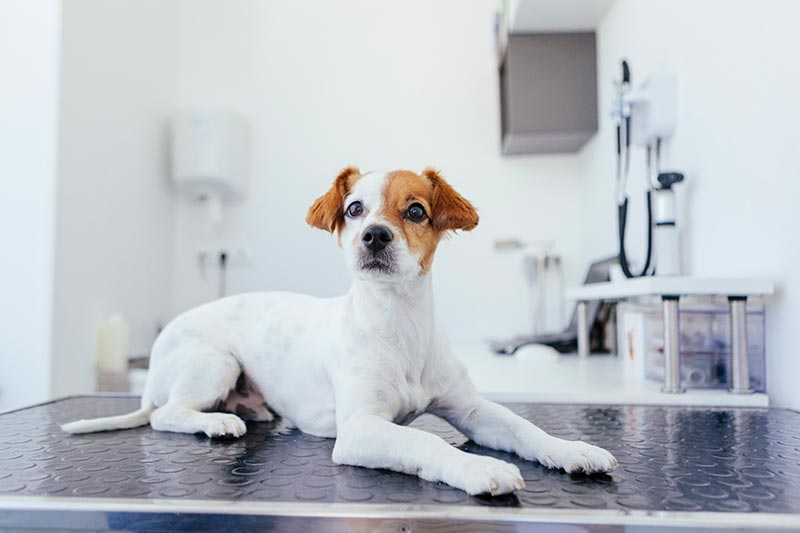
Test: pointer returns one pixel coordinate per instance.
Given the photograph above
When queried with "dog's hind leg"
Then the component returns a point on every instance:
(247, 401)
(200, 382)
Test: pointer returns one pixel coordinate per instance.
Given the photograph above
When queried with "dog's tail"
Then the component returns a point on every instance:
(135, 419)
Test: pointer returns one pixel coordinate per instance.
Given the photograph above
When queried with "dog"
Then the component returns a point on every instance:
(356, 368)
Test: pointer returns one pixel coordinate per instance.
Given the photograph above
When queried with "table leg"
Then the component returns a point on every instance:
(672, 355)
(740, 372)
(583, 329)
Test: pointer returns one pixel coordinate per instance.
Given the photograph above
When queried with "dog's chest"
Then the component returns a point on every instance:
(405, 388)
(412, 399)
(397, 363)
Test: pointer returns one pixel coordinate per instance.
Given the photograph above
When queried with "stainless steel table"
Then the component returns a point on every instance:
(682, 467)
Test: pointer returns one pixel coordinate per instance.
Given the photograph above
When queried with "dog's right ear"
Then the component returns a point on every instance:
(327, 212)
(451, 211)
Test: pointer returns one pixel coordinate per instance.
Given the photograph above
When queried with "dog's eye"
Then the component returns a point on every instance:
(354, 210)
(415, 213)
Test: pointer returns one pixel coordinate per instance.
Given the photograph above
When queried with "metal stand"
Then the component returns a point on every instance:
(740, 372)
(583, 329)
(671, 289)
(672, 354)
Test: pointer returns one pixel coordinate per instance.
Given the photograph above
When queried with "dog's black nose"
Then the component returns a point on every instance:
(376, 238)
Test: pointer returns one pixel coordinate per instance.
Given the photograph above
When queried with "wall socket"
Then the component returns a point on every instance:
(208, 258)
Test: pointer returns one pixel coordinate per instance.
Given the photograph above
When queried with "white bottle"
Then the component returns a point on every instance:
(113, 336)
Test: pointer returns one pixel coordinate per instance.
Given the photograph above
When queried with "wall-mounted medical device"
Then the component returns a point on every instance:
(654, 103)
(646, 117)
(210, 158)
(667, 241)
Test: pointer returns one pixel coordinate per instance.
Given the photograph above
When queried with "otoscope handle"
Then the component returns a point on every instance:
(668, 179)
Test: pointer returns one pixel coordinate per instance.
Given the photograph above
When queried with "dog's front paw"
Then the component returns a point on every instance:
(224, 425)
(577, 456)
(486, 475)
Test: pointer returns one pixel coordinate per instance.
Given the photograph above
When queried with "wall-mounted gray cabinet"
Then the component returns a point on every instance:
(548, 92)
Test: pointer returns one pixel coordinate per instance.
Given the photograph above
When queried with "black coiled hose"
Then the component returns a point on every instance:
(622, 212)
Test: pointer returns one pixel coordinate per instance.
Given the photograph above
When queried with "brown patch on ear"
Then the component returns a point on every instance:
(450, 210)
(327, 211)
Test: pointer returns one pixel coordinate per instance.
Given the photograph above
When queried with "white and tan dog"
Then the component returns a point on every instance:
(356, 368)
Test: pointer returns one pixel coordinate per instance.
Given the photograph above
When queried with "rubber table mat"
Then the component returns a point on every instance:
(671, 459)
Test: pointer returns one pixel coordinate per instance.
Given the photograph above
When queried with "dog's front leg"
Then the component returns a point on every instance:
(495, 426)
(370, 440)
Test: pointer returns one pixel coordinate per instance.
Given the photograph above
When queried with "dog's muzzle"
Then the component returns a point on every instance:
(381, 261)
(377, 255)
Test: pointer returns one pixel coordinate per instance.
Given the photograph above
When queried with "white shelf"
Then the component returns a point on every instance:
(551, 16)
(539, 374)
(672, 285)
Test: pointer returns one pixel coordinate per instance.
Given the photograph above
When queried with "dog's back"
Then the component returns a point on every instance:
(271, 341)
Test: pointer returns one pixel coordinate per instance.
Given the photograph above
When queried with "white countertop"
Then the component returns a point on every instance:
(672, 285)
(540, 374)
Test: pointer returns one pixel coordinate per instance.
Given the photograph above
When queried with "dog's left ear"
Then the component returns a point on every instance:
(327, 211)
(451, 211)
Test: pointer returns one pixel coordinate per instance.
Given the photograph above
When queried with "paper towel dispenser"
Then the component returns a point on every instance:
(548, 92)
(210, 155)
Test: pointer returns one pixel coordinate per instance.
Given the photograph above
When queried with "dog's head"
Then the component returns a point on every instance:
(389, 224)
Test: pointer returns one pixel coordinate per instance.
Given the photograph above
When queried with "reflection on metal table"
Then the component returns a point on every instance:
(679, 466)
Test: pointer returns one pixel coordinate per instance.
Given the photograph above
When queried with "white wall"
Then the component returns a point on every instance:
(737, 141)
(381, 85)
(388, 85)
(114, 210)
(28, 137)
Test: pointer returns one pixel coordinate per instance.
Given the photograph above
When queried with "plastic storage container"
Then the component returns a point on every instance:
(705, 344)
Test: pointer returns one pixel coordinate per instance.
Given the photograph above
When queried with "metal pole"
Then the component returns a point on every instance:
(583, 330)
(672, 355)
(740, 372)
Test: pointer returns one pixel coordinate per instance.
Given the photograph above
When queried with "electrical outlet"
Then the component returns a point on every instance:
(235, 257)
